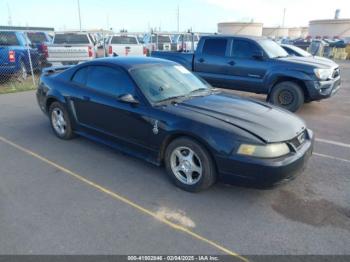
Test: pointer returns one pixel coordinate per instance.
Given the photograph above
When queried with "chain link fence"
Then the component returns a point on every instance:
(22, 57)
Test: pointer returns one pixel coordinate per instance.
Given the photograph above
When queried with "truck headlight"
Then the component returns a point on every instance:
(268, 151)
(323, 74)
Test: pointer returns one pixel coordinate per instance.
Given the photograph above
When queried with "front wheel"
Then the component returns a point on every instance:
(288, 95)
(189, 165)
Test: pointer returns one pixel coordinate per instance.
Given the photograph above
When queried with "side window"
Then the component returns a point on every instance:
(243, 49)
(215, 47)
(80, 76)
(109, 80)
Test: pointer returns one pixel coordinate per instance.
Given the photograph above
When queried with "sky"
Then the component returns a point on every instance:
(140, 15)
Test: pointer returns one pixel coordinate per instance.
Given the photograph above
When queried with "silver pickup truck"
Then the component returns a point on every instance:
(71, 48)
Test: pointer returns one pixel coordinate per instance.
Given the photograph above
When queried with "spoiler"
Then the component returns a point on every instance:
(55, 69)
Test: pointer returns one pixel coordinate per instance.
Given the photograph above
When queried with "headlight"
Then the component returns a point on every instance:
(268, 151)
(323, 74)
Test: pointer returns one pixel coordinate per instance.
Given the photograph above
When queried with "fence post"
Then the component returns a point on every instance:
(30, 62)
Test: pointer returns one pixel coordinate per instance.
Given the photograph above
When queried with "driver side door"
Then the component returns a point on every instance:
(99, 110)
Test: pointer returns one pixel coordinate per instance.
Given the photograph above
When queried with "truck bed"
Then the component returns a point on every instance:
(185, 59)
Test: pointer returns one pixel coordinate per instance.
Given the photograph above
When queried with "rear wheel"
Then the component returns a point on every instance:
(189, 165)
(288, 95)
(22, 74)
(60, 121)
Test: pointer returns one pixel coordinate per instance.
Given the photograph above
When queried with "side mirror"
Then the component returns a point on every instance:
(128, 98)
(258, 55)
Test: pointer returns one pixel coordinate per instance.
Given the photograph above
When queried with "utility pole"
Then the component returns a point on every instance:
(9, 14)
(284, 17)
(79, 15)
(178, 18)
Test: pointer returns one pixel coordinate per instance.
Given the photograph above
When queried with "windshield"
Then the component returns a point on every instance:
(299, 50)
(71, 39)
(124, 40)
(163, 82)
(272, 49)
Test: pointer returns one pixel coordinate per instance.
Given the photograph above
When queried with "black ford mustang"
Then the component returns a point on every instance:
(158, 111)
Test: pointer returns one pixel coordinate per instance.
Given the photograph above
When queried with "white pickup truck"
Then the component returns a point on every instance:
(125, 45)
(71, 48)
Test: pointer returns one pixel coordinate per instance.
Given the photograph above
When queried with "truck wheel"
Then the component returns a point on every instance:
(22, 74)
(288, 95)
(189, 165)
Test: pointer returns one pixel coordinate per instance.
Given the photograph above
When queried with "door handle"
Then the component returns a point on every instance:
(86, 98)
(201, 60)
(231, 63)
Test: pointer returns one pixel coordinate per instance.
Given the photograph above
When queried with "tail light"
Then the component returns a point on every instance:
(45, 50)
(12, 56)
(91, 54)
(144, 51)
(110, 50)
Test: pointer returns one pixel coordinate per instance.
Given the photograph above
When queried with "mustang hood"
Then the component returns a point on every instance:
(267, 122)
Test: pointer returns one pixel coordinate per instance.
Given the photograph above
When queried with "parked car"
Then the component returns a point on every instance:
(159, 111)
(71, 48)
(161, 42)
(296, 51)
(185, 42)
(259, 65)
(40, 40)
(125, 45)
(17, 55)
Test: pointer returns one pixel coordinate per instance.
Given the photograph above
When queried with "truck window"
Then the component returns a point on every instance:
(71, 39)
(243, 49)
(215, 47)
(8, 39)
(124, 40)
(37, 37)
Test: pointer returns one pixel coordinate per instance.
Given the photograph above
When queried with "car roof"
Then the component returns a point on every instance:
(131, 62)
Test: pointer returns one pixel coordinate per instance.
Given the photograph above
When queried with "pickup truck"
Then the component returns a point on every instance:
(71, 48)
(259, 65)
(160, 42)
(40, 40)
(125, 45)
(17, 55)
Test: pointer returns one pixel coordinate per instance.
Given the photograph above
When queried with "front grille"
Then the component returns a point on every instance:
(336, 73)
(298, 141)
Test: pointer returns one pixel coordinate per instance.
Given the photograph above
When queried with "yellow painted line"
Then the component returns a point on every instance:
(124, 200)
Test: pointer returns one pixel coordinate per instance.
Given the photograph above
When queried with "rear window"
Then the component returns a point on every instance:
(8, 38)
(37, 38)
(162, 39)
(124, 40)
(71, 39)
(215, 47)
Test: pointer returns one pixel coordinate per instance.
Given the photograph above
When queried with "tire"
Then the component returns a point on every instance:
(22, 75)
(196, 173)
(288, 95)
(61, 127)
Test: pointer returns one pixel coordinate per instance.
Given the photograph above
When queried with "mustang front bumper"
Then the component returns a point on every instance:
(265, 172)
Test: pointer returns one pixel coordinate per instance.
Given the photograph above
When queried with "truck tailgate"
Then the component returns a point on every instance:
(68, 53)
(127, 50)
